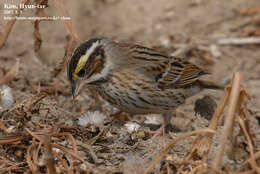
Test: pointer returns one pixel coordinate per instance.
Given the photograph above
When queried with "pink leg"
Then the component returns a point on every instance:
(158, 132)
(115, 115)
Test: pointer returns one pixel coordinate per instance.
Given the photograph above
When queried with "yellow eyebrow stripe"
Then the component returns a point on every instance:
(80, 65)
(83, 59)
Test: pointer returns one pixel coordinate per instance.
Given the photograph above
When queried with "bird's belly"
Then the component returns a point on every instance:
(138, 99)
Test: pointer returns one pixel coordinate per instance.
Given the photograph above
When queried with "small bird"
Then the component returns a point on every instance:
(134, 78)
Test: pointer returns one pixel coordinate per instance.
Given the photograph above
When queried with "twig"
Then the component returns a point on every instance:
(215, 118)
(49, 155)
(33, 134)
(90, 150)
(202, 142)
(63, 162)
(228, 127)
(257, 155)
(8, 169)
(72, 154)
(11, 139)
(32, 166)
(247, 172)
(2, 125)
(73, 142)
(251, 148)
(239, 41)
(164, 152)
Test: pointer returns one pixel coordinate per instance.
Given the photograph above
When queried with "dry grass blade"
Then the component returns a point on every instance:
(33, 134)
(251, 148)
(247, 172)
(70, 137)
(63, 162)
(11, 139)
(239, 41)
(206, 141)
(49, 155)
(4, 31)
(13, 166)
(90, 151)
(29, 158)
(243, 110)
(2, 125)
(229, 120)
(41, 96)
(223, 102)
(52, 88)
(245, 164)
(72, 154)
(172, 144)
(202, 142)
(11, 74)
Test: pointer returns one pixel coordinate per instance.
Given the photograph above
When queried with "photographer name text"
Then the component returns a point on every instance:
(23, 6)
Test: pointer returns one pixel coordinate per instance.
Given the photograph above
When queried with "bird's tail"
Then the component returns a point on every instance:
(209, 85)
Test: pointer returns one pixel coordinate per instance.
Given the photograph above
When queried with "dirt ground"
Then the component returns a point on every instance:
(195, 25)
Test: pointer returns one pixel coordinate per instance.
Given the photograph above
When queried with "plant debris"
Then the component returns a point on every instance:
(43, 130)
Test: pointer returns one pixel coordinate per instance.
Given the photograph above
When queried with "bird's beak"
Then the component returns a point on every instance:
(74, 89)
(77, 86)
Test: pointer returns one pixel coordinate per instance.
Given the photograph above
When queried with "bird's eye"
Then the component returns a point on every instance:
(81, 73)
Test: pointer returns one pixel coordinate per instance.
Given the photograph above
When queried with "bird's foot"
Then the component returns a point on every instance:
(156, 133)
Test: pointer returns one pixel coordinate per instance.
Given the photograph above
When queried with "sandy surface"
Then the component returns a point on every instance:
(199, 23)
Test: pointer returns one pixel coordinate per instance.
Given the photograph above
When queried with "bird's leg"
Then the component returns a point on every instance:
(122, 118)
(167, 121)
(157, 132)
(116, 114)
(161, 131)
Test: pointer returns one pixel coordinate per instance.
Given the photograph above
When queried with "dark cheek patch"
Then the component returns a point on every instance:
(95, 64)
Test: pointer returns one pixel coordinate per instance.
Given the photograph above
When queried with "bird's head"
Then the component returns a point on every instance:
(91, 63)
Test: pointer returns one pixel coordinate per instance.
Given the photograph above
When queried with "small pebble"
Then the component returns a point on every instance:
(6, 97)
(205, 107)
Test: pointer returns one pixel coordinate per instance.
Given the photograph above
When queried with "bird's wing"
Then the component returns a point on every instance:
(167, 71)
(180, 73)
